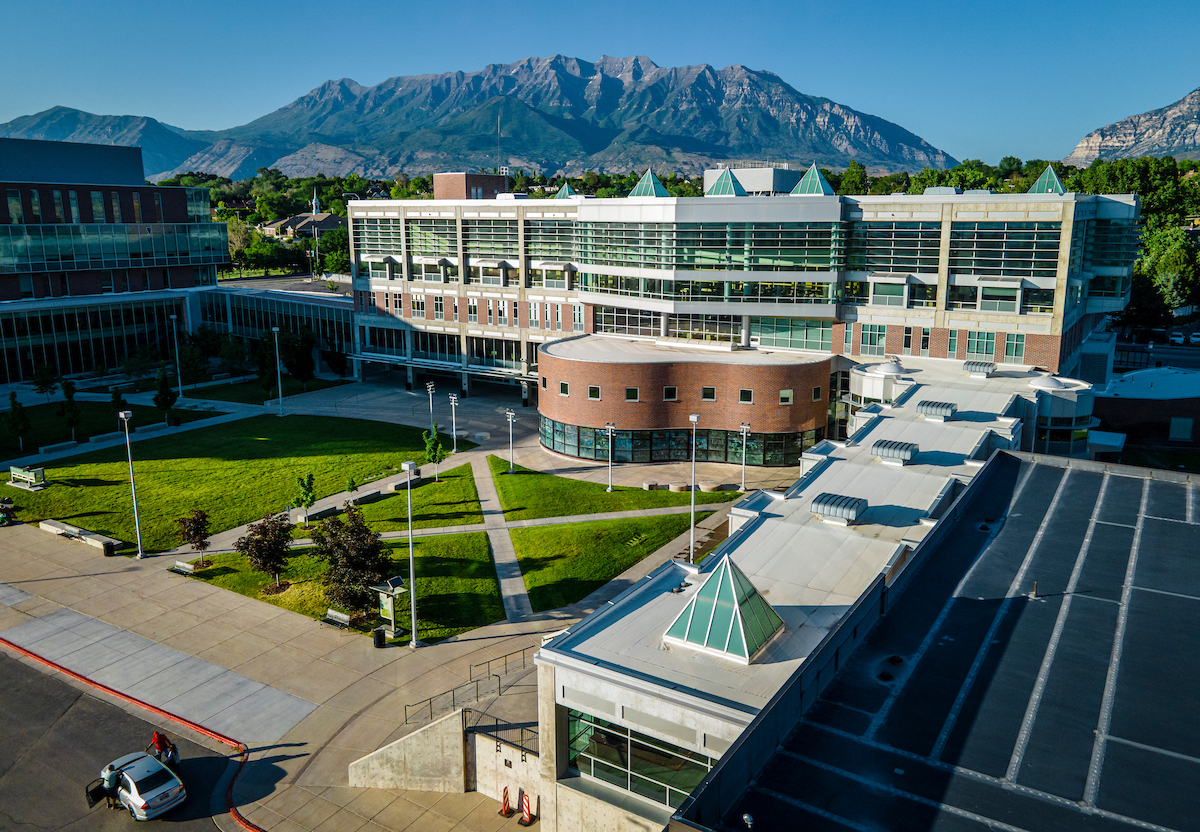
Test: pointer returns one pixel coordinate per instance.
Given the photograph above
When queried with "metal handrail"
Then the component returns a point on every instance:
(418, 710)
(519, 736)
(506, 659)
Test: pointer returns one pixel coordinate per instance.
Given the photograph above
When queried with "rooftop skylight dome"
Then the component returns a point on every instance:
(726, 185)
(812, 184)
(726, 617)
(649, 185)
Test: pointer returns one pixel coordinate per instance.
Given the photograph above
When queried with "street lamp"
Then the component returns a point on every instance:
(608, 428)
(408, 468)
(744, 427)
(126, 415)
(693, 418)
(429, 390)
(278, 371)
(454, 419)
(178, 367)
(510, 415)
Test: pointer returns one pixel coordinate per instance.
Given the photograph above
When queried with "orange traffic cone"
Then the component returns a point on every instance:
(526, 815)
(505, 809)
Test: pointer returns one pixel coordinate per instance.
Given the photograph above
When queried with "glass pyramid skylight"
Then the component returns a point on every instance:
(565, 192)
(1047, 183)
(726, 185)
(726, 617)
(649, 186)
(812, 184)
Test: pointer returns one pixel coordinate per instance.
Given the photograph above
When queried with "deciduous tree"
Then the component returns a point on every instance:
(267, 544)
(356, 557)
(45, 380)
(193, 530)
(306, 494)
(17, 419)
(165, 395)
(69, 410)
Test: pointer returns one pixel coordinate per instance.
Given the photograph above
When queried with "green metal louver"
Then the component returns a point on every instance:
(726, 185)
(565, 192)
(812, 184)
(726, 617)
(649, 186)
(1047, 183)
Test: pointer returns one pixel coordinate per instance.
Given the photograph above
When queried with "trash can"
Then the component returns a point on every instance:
(176, 421)
(379, 636)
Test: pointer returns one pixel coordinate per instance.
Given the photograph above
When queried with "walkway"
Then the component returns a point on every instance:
(508, 571)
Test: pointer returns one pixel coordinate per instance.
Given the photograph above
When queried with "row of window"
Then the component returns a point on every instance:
(57, 211)
(495, 312)
(671, 393)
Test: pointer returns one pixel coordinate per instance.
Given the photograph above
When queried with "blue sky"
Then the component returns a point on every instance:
(976, 79)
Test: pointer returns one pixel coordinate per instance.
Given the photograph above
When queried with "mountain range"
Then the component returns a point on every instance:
(1173, 130)
(555, 115)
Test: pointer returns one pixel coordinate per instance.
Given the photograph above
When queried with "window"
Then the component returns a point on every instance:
(631, 394)
(922, 294)
(873, 338)
(594, 393)
(564, 389)
(439, 309)
(1040, 301)
(1181, 429)
(952, 347)
(73, 198)
(558, 317)
(577, 318)
(35, 206)
(746, 396)
(796, 333)
(998, 300)
(848, 340)
(418, 305)
(854, 292)
(816, 394)
(533, 315)
(14, 207)
(785, 396)
(907, 338)
(489, 310)
(543, 382)
(116, 205)
(158, 211)
(97, 206)
(502, 312)
(670, 394)
(137, 207)
(58, 207)
(887, 294)
(708, 394)
(962, 297)
(473, 310)
(1014, 348)
(981, 346)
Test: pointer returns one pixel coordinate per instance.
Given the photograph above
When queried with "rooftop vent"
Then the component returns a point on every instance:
(978, 192)
(1046, 383)
(891, 368)
(979, 369)
(838, 508)
(894, 451)
(941, 190)
(937, 411)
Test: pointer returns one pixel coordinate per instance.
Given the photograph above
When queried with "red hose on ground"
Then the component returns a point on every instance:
(241, 748)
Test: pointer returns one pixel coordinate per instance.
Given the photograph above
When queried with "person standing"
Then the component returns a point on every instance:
(160, 745)
(108, 779)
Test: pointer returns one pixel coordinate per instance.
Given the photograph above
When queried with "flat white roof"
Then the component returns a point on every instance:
(609, 349)
(1155, 383)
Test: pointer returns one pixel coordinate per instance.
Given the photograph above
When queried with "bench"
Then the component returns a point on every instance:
(340, 620)
(220, 376)
(31, 479)
(98, 541)
(367, 497)
(58, 446)
(107, 437)
(402, 483)
(678, 487)
(649, 485)
(708, 486)
(182, 568)
(297, 515)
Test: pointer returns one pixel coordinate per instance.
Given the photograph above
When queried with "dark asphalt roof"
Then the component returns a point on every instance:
(976, 704)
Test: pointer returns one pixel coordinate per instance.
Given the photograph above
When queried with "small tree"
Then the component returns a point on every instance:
(337, 360)
(435, 454)
(117, 402)
(266, 544)
(306, 494)
(165, 398)
(356, 556)
(233, 356)
(351, 486)
(265, 365)
(45, 380)
(17, 419)
(193, 529)
(297, 355)
(137, 366)
(69, 410)
(192, 364)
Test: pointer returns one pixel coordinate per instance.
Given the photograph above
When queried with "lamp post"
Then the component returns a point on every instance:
(510, 415)
(429, 390)
(693, 418)
(608, 428)
(454, 419)
(178, 367)
(744, 428)
(278, 371)
(126, 415)
(408, 468)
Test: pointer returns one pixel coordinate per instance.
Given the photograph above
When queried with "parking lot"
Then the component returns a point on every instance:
(54, 740)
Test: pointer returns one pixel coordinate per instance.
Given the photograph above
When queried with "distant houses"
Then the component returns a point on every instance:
(303, 225)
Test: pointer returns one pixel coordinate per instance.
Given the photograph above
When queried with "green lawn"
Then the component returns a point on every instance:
(457, 588)
(564, 564)
(98, 417)
(451, 502)
(251, 392)
(237, 472)
(528, 494)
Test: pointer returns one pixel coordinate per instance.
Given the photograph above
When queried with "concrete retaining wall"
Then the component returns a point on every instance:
(494, 764)
(432, 759)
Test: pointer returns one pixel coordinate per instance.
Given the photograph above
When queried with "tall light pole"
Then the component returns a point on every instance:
(178, 367)
(510, 415)
(278, 371)
(126, 415)
(408, 468)
(744, 428)
(429, 390)
(608, 428)
(693, 418)
(454, 419)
